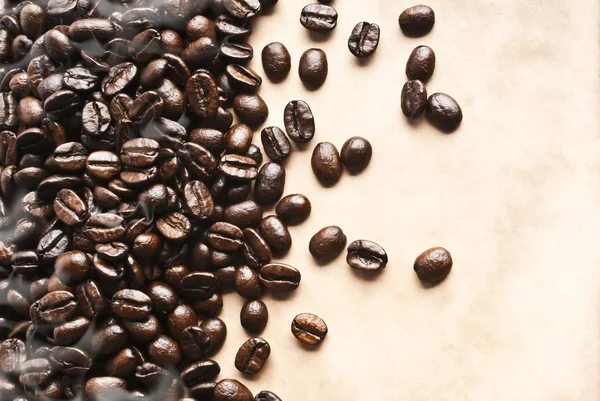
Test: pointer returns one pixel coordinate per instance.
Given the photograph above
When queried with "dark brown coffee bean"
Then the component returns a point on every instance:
(309, 328)
(433, 265)
(243, 78)
(199, 285)
(252, 355)
(327, 243)
(139, 152)
(293, 209)
(92, 28)
(174, 226)
(299, 121)
(366, 255)
(231, 389)
(30, 111)
(149, 373)
(274, 231)
(131, 304)
(199, 372)
(254, 316)
(165, 352)
(202, 94)
(72, 361)
(12, 355)
(25, 262)
(35, 372)
(326, 164)
(444, 112)
(238, 167)
(145, 46)
(256, 250)
(68, 157)
(34, 140)
(356, 154)
(120, 78)
(198, 200)
(243, 214)
(247, 283)
(276, 61)
(225, 237)
(421, 63)
(144, 331)
(242, 9)
(229, 27)
(210, 307)
(182, 317)
(200, 26)
(202, 50)
(251, 109)
(279, 277)
(417, 20)
(313, 68)
(364, 39)
(238, 139)
(275, 144)
(56, 306)
(104, 386)
(71, 332)
(197, 159)
(211, 139)
(414, 99)
(8, 111)
(124, 363)
(104, 227)
(72, 267)
(319, 17)
(233, 52)
(195, 343)
(270, 183)
(90, 299)
(62, 103)
(113, 252)
(266, 396)
(107, 270)
(103, 165)
(70, 208)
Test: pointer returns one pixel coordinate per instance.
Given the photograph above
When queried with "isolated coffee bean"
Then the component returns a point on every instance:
(444, 112)
(433, 265)
(326, 164)
(274, 231)
(270, 183)
(279, 277)
(364, 39)
(299, 121)
(313, 68)
(319, 17)
(421, 63)
(131, 304)
(231, 389)
(293, 209)
(56, 306)
(356, 154)
(275, 144)
(366, 255)
(254, 316)
(309, 328)
(247, 283)
(414, 99)
(252, 355)
(251, 109)
(327, 243)
(417, 20)
(276, 61)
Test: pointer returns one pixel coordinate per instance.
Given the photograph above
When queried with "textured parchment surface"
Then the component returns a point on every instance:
(514, 194)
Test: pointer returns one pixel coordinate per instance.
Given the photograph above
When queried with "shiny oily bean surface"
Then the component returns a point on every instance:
(327, 243)
(231, 389)
(421, 63)
(313, 68)
(279, 277)
(309, 328)
(417, 20)
(326, 164)
(356, 154)
(414, 99)
(275, 232)
(293, 209)
(433, 265)
(444, 112)
(275, 144)
(270, 183)
(254, 316)
(276, 61)
(366, 255)
(318, 17)
(299, 121)
(252, 355)
(364, 39)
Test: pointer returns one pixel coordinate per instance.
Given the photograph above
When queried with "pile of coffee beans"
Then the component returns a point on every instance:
(127, 204)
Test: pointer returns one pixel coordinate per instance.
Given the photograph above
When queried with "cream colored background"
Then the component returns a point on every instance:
(513, 194)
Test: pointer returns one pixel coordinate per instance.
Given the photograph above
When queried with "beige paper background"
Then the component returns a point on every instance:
(513, 194)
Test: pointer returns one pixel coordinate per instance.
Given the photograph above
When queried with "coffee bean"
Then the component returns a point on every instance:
(364, 39)
(8, 111)
(113, 252)
(433, 265)
(182, 317)
(414, 99)
(444, 112)
(279, 277)
(71, 332)
(202, 50)
(225, 237)
(319, 17)
(199, 372)
(309, 328)
(313, 68)
(234, 52)
(252, 355)
(231, 389)
(131, 304)
(242, 9)
(35, 372)
(62, 103)
(247, 283)
(327, 243)
(198, 160)
(238, 139)
(143, 331)
(257, 251)
(211, 139)
(72, 267)
(124, 363)
(12, 355)
(149, 373)
(198, 200)
(90, 299)
(92, 28)
(293, 209)
(119, 79)
(243, 214)
(174, 226)
(274, 231)
(421, 63)
(326, 164)
(70, 360)
(104, 227)
(199, 26)
(68, 157)
(238, 167)
(270, 183)
(243, 78)
(356, 154)
(254, 316)
(228, 27)
(266, 396)
(103, 165)
(145, 45)
(165, 352)
(417, 20)
(275, 144)
(299, 121)
(366, 255)
(25, 262)
(70, 208)
(56, 306)
(251, 109)
(199, 285)
(276, 61)
(105, 386)
(202, 94)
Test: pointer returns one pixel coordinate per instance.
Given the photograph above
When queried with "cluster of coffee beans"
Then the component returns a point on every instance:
(124, 186)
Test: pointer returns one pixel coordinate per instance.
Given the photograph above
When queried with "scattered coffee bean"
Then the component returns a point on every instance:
(327, 243)
(299, 121)
(279, 277)
(293, 209)
(313, 68)
(364, 39)
(326, 164)
(414, 99)
(247, 283)
(309, 328)
(252, 355)
(444, 112)
(231, 389)
(275, 232)
(421, 63)
(251, 109)
(356, 154)
(433, 265)
(366, 255)
(276, 61)
(270, 183)
(254, 316)
(275, 144)
(319, 17)
(417, 20)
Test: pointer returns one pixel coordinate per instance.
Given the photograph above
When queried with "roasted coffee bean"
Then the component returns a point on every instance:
(52, 245)
(276, 61)
(165, 352)
(90, 299)
(266, 396)
(202, 50)
(92, 28)
(143, 331)
(145, 45)
(252, 355)
(95, 118)
(202, 94)
(119, 107)
(50, 84)
(414, 99)
(270, 183)
(70, 208)
(231, 389)
(279, 277)
(299, 121)
(182, 317)
(225, 237)
(256, 250)
(313, 68)
(124, 363)
(433, 265)
(139, 177)
(327, 243)
(274, 231)
(174, 226)
(421, 63)
(149, 373)
(109, 338)
(319, 17)
(229, 27)
(106, 270)
(131, 304)
(251, 109)
(195, 343)
(197, 159)
(25, 262)
(238, 167)
(210, 307)
(71, 332)
(72, 267)
(34, 140)
(79, 79)
(30, 111)
(444, 112)
(147, 107)
(242, 9)
(243, 214)
(8, 111)
(364, 39)
(225, 273)
(211, 139)
(172, 43)
(12, 355)
(68, 157)
(254, 316)
(103, 165)
(238, 139)
(356, 154)
(198, 200)
(56, 306)
(275, 144)
(309, 328)
(62, 103)
(153, 73)
(326, 164)
(199, 285)
(105, 386)
(417, 20)
(35, 372)
(366, 255)
(72, 361)
(200, 372)
(234, 52)
(113, 251)
(293, 209)
(120, 78)
(104, 227)
(247, 283)
(199, 26)
(243, 78)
